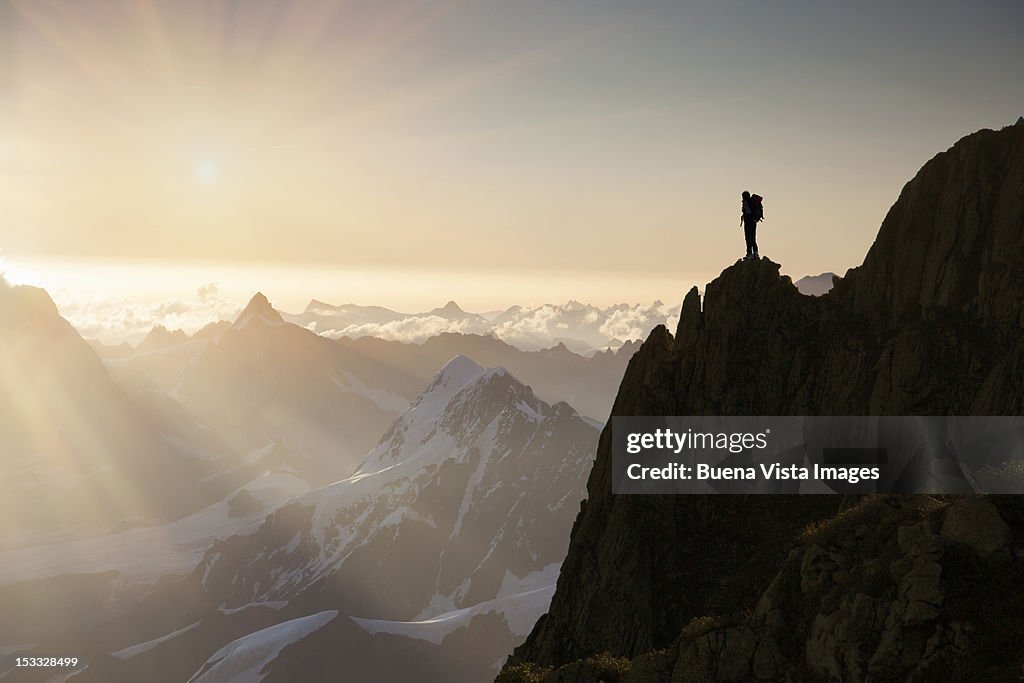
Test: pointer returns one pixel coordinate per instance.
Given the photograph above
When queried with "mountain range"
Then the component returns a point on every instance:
(582, 328)
(263, 380)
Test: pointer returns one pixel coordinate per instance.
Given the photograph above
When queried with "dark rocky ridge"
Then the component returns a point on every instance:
(802, 588)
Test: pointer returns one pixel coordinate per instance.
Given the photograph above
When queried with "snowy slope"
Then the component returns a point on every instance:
(145, 554)
(518, 608)
(242, 660)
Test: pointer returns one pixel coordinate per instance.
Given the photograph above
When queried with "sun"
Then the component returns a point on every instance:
(207, 171)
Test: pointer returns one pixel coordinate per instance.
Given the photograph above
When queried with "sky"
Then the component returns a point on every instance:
(403, 153)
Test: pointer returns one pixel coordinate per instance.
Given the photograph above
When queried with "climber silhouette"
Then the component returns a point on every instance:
(753, 211)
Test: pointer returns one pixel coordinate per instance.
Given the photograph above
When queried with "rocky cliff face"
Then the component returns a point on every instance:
(806, 588)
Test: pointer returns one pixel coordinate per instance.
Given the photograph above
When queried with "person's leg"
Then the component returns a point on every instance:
(748, 234)
(753, 239)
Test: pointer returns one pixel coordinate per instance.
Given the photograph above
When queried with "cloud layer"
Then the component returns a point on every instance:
(113, 321)
(581, 327)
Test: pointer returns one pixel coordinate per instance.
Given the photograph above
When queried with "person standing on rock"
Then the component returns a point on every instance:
(753, 211)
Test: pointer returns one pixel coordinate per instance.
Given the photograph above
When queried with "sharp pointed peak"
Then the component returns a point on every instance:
(451, 307)
(259, 299)
(259, 307)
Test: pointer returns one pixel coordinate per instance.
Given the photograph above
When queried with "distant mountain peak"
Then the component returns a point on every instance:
(450, 308)
(461, 393)
(258, 308)
(160, 337)
(316, 304)
(560, 350)
(815, 285)
(460, 365)
(455, 374)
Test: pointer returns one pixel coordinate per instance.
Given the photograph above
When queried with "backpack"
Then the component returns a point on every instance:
(756, 207)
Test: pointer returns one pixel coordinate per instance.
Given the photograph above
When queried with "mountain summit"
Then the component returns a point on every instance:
(258, 308)
(452, 311)
(731, 588)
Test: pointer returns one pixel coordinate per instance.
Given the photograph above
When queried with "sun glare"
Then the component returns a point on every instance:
(18, 274)
(207, 171)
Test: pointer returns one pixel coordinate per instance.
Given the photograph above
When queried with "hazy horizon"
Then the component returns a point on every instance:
(187, 296)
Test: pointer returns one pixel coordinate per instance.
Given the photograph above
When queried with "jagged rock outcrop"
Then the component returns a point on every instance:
(819, 588)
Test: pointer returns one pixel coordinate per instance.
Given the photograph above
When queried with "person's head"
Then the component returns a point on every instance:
(746, 195)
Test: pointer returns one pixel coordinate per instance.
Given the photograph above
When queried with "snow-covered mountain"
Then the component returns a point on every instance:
(474, 485)
(436, 556)
(433, 551)
(555, 374)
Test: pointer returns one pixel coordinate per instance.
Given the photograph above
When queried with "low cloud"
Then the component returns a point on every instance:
(115, 320)
(580, 326)
(637, 321)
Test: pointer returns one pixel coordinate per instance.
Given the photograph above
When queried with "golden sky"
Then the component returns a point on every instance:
(508, 137)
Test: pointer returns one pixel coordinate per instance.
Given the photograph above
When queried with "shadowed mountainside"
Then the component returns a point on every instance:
(76, 454)
(820, 588)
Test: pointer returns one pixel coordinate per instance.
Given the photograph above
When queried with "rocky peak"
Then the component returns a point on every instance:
(160, 337)
(953, 240)
(560, 349)
(449, 309)
(930, 324)
(258, 308)
(315, 305)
